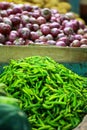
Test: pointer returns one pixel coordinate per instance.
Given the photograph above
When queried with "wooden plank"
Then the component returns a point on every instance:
(60, 54)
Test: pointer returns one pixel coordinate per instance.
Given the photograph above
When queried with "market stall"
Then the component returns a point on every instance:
(43, 63)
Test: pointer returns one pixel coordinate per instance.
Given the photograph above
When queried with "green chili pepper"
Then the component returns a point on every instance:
(52, 96)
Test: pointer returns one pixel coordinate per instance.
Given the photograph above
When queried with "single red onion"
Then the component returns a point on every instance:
(34, 35)
(54, 32)
(51, 42)
(60, 43)
(83, 46)
(24, 32)
(46, 13)
(41, 20)
(83, 41)
(45, 30)
(75, 43)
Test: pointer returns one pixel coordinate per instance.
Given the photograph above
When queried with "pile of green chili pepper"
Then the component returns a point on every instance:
(53, 97)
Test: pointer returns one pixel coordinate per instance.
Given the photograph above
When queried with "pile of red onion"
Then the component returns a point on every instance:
(23, 24)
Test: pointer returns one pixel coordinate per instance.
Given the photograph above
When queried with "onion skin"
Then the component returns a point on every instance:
(60, 44)
(75, 43)
(46, 13)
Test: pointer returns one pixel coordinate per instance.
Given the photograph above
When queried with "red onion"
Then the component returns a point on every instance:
(75, 43)
(13, 36)
(34, 35)
(24, 32)
(83, 41)
(65, 39)
(54, 25)
(27, 7)
(80, 31)
(19, 41)
(15, 20)
(24, 19)
(35, 27)
(45, 30)
(78, 37)
(43, 38)
(17, 10)
(60, 43)
(7, 21)
(83, 46)
(8, 43)
(68, 30)
(5, 28)
(54, 32)
(41, 20)
(51, 42)
(49, 37)
(46, 13)
(2, 38)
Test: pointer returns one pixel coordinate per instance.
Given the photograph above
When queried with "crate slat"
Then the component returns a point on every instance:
(59, 54)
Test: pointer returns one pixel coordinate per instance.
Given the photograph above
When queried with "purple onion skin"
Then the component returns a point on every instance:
(35, 27)
(28, 42)
(72, 24)
(9, 11)
(34, 35)
(45, 30)
(55, 25)
(7, 21)
(81, 25)
(32, 20)
(85, 35)
(51, 42)
(19, 41)
(60, 35)
(83, 41)
(75, 43)
(49, 37)
(24, 19)
(36, 13)
(15, 20)
(13, 36)
(43, 38)
(54, 32)
(41, 20)
(60, 44)
(46, 13)
(2, 38)
(8, 43)
(80, 31)
(71, 38)
(5, 28)
(17, 10)
(78, 37)
(29, 26)
(3, 13)
(4, 5)
(24, 33)
(83, 46)
(68, 30)
(27, 7)
(65, 39)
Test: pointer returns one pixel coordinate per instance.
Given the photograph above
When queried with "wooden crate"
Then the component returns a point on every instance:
(60, 54)
(72, 58)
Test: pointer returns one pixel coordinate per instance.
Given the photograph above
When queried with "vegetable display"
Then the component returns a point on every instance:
(52, 96)
(23, 24)
(61, 6)
(12, 118)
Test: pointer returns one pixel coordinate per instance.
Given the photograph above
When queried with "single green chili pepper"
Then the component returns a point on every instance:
(47, 106)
